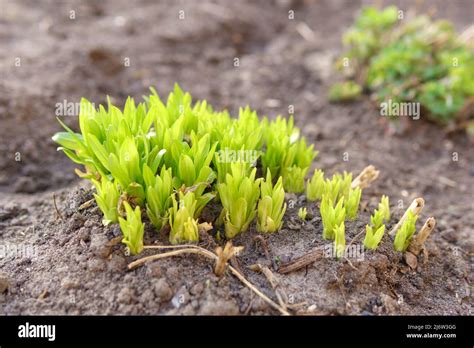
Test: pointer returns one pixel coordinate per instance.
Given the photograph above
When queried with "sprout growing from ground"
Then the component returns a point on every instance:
(271, 206)
(239, 195)
(315, 186)
(302, 212)
(405, 233)
(184, 227)
(339, 240)
(132, 229)
(331, 216)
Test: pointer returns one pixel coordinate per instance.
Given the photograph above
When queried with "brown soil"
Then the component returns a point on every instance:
(74, 270)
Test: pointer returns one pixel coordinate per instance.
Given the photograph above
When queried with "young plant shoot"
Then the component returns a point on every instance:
(405, 233)
(302, 212)
(331, 216)
(107, 198)
(315, 186)
(184, 228)
(239, 195)
(132, 229)
(271, 206)
(339, 240)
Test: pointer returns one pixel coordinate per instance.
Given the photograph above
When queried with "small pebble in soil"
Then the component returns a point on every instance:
(181, 297)
(154, 270)
(125, 295)
(96, 265)
(99, 245)
(163, 290)
(69, 283)
(220, 306)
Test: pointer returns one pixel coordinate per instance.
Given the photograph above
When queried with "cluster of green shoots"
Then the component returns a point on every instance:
(375, 231)
(339, 201)
(407, 60)
(168, 160)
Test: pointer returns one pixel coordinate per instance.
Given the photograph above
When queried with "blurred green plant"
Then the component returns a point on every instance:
(409, 60)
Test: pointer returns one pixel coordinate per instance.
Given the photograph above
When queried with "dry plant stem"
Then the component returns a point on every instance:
(193, 249)
(368, 175)
(418, 242)
(275, 284)
(224, 255)
(415, 207)
(301, 261)
(266, 250)
(56, 207)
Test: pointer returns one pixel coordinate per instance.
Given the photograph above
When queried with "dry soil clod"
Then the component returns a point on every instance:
(415, 207)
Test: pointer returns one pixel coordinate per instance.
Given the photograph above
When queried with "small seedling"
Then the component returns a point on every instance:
(339, 240)
(302, 212)
(331, 216)
(271, 206)
(405, 233)
(315, 186)
(351, 203)
(107, 198)
(293, 179)
(184, 227)
(159, 190)
(344, 91)
(132, 228)
(239, 194)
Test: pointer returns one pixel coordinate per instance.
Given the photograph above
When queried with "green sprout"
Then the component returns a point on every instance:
(375, 231)
(331, 216)
(132, 229)
(405, 233)
(344, 91)
(107, 198)
(239, 195)
(339, 240)
(351, 203)
(302, 213)
(169, 158)
(419, 59)
(159, 191)
(293, 179)
(384, 207)
(315, 186)
(184, 227)
(271, 206)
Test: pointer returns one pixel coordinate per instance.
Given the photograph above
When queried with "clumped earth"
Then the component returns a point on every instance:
(73, 265)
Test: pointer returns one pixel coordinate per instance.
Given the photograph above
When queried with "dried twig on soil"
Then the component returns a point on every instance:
(224, 255)
(417, 244)
(193, 249)
(274, 282)
(368, 175)
(266, 250)
(415, 207)
(56, 207)
(301, 261)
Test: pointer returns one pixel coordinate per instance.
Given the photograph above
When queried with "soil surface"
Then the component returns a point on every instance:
(71, 264)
